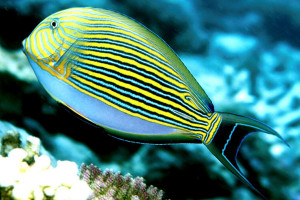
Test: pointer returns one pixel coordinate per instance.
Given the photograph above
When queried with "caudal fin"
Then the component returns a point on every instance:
(229, 137)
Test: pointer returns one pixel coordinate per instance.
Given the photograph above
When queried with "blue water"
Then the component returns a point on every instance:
(246, 56)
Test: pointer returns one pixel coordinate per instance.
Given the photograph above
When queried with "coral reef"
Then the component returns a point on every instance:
(20, 180)
(25, 174)
(12, 137)
(109, 185)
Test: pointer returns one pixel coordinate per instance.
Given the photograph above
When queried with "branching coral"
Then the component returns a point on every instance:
(109, 185)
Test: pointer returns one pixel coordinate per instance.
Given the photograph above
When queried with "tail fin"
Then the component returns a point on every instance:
(229, 137)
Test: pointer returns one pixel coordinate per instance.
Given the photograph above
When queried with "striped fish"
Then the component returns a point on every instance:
(117, 74)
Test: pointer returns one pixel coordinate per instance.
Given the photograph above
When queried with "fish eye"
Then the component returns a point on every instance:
(54, 24)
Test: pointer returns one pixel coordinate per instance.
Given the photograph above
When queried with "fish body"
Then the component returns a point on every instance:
(116, 73)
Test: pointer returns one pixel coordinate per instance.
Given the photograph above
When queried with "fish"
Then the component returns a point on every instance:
(117, 74)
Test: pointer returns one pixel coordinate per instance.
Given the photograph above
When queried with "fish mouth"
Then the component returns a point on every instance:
(23, 44)
(25, 51)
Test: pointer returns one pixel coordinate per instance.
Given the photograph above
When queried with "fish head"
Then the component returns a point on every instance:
(49, 44)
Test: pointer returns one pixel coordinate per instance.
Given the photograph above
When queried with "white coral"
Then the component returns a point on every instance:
(40, 179)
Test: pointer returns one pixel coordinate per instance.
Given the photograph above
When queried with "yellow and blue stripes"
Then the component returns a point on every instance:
(116, 60)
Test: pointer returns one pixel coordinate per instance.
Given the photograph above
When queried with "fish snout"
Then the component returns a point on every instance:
(24, 45)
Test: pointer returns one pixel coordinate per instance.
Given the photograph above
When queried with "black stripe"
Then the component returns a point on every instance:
(130, 67)
(136, 109)
(123, 44)
(138, 83)
(131, 56)
(135, 95)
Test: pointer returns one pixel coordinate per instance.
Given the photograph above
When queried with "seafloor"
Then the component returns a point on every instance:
(244, 53)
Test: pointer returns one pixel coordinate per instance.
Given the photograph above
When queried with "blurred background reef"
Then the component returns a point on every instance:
(244, 53)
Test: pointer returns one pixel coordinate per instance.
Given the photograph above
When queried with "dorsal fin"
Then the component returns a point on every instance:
(167, 51)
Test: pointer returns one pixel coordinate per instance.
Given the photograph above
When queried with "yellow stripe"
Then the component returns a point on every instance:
(214, 129)
(35, 42)
(147, 80)
(136, 76)
(150, 69)
(131, 51)
(155, 53)
(129, 73)
(127, 99)
(148, 94)
(123, 40)
(52, 42)
(136, 102)
(134, 63)
(110, 21)
(212, 119)
(128, 33)
(180, 129)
